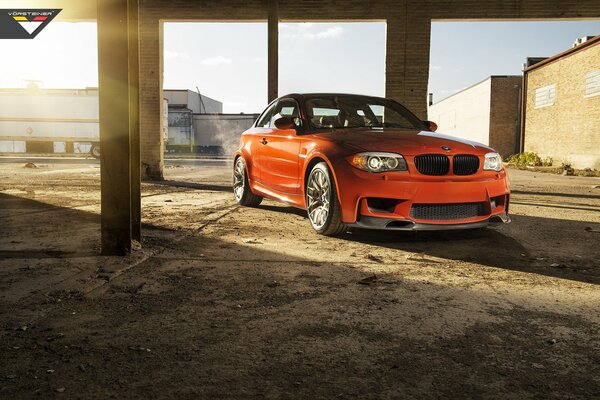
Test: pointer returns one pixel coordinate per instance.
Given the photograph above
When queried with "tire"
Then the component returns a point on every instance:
(322, 204)
(95, 150)
(241, 189)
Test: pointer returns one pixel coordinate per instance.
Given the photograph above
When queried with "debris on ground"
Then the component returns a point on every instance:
(252, 241)
(568, 170)
(139, 348)
(414, 256)
(375, 258)
(558, 265)
(273, 284)
(589, 229)
(368, 280)
(30, 165)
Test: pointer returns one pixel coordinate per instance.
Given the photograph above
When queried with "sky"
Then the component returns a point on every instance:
(464, 53)
(312, 57)
(227, 61)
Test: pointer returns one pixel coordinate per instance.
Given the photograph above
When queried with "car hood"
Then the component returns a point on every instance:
(403, 141)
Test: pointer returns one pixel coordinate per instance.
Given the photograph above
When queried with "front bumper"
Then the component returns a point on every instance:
(408, 225)
(397, 192)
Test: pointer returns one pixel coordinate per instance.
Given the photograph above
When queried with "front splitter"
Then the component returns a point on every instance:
(407, 225)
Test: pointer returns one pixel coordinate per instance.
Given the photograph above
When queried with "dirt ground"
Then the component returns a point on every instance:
(224, 302)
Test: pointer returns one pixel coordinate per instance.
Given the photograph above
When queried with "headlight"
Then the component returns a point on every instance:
(493, 162)
(378, 162)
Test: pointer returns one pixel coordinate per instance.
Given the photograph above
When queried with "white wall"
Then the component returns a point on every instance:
(465, 114)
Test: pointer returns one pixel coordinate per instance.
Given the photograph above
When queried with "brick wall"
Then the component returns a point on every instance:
(569, 130)
(407, 49)
(504, 112)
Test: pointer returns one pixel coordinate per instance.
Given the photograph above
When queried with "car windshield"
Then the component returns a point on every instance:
(345, 111)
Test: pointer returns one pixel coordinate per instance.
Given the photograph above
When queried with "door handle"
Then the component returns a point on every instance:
(264, 141)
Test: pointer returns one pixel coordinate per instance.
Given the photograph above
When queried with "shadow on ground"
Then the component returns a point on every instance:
(195, 185)
(187, 323)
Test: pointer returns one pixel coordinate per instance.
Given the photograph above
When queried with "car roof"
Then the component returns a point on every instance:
(325, 94)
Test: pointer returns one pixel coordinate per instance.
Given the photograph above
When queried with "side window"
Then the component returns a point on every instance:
(285, 108)
(264, 120)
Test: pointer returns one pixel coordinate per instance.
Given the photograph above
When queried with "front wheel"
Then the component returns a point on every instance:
(324, 210)
(241, 189)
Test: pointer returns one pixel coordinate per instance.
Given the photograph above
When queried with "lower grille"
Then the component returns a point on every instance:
(465, 164)
(447, 211)
(432, 164)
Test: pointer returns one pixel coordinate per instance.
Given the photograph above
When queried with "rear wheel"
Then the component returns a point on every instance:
(241, 188)
(324, 211)
(95, 150)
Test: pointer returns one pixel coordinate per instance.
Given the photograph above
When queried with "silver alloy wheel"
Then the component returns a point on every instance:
(238, 179)
(96, 151)
(318, 193)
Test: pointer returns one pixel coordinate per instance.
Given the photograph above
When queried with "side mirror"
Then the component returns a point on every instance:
(286, 123)
(431, 126)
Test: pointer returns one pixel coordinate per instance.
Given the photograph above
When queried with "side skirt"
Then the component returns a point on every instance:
(293, 199)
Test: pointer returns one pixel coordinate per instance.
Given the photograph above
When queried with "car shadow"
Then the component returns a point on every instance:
(284, 209)
(551, 247)
(546, 246)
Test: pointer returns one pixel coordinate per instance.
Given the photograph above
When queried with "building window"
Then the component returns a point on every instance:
(545, 96)
(592, 84)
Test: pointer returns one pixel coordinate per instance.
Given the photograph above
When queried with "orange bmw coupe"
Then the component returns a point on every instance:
(367, 162)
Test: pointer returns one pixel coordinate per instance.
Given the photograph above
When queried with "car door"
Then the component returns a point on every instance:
(280, 167)
(255, 136)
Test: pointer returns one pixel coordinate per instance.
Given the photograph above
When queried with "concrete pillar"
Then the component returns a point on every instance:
(151, 98)
(273, 49)
(114, 57)
(134, 120)
(407, 60)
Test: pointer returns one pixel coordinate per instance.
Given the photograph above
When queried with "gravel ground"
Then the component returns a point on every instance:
(237, 303)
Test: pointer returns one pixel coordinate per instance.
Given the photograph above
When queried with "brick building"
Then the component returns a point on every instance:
(486, 112)
(562, 106)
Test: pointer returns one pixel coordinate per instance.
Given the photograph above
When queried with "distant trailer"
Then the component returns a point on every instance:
(37, 120)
